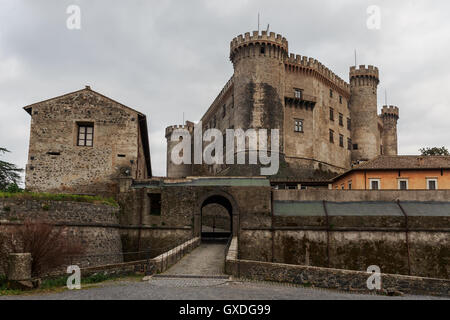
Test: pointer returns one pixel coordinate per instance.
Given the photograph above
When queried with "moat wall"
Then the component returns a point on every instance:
(399, 242)
(95, 226)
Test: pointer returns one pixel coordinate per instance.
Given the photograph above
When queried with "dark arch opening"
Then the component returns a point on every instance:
(216, 218)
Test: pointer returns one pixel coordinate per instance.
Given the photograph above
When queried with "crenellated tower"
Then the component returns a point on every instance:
(182, 170)
(363, 108)
(258, 61)
(390, 116)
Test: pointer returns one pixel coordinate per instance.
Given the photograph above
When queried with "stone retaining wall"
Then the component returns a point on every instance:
(329, 278)
(95, 226)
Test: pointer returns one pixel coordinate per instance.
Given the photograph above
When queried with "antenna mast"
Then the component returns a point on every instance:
(258, 22)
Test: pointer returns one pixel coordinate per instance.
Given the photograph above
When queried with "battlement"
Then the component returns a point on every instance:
(188, 126)
(258, 38)
(363, 71)
(390, 111)
(313, 64)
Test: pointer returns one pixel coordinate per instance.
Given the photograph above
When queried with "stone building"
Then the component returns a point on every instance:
(325, 123)
(81, 142)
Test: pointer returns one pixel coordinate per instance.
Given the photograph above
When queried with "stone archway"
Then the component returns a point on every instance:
(220, 199)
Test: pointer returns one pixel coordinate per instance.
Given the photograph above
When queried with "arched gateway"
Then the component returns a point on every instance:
(217, 215)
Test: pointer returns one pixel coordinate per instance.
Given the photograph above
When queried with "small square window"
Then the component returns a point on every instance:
(374, 184)
(85, 136)
(298, 93)
(403, 184)
(355, 146)
(432, 184)
(298, 125)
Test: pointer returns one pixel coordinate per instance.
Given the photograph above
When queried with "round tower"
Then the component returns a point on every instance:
(258, 61)
(363, 109)
(390, 116)
(178, 170)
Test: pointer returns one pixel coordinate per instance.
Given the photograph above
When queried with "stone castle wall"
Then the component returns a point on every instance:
(261, 94)
(95, 226)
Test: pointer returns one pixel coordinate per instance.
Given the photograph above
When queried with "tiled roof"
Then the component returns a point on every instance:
(406, 162)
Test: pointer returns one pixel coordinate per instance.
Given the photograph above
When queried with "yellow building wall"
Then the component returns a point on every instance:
(417, 179)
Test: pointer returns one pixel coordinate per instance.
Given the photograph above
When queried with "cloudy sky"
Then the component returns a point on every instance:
(168, 57)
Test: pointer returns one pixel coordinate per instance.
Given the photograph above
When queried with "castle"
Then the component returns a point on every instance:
(325, 123)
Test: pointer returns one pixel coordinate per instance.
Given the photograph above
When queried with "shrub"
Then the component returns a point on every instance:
(49, 246)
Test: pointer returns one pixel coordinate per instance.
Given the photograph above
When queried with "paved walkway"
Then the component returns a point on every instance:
(206, 260)
(127, 290)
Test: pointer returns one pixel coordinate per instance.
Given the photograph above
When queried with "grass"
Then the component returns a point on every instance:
(58, 197)
(60, 284)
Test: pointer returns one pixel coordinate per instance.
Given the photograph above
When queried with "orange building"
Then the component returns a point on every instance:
(397, 173)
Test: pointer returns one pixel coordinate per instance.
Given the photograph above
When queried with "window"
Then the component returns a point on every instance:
(355, 146)
(85, 135)
(331, 136)
(349, 124)
(298, 93)
(341, 119)
(340, 99)
(374, 184)
(349, 144)
(331, 93)
(342, 187)
(155, 204)
(402, 184)
(331, 114)
(298, 125)
(263, 50)
(350, 185)
(341, 140)
(432, 184)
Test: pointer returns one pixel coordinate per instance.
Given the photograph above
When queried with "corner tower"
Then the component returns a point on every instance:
(258, 61)
(178, 170)
(363, 108)
(390, 116)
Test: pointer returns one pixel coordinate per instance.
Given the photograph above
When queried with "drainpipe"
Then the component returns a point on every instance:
(406, 235)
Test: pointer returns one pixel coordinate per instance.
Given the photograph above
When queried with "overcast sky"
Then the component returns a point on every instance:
(164, 58)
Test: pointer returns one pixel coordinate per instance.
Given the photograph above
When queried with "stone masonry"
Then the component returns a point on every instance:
(62, 160)
(325, 123)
